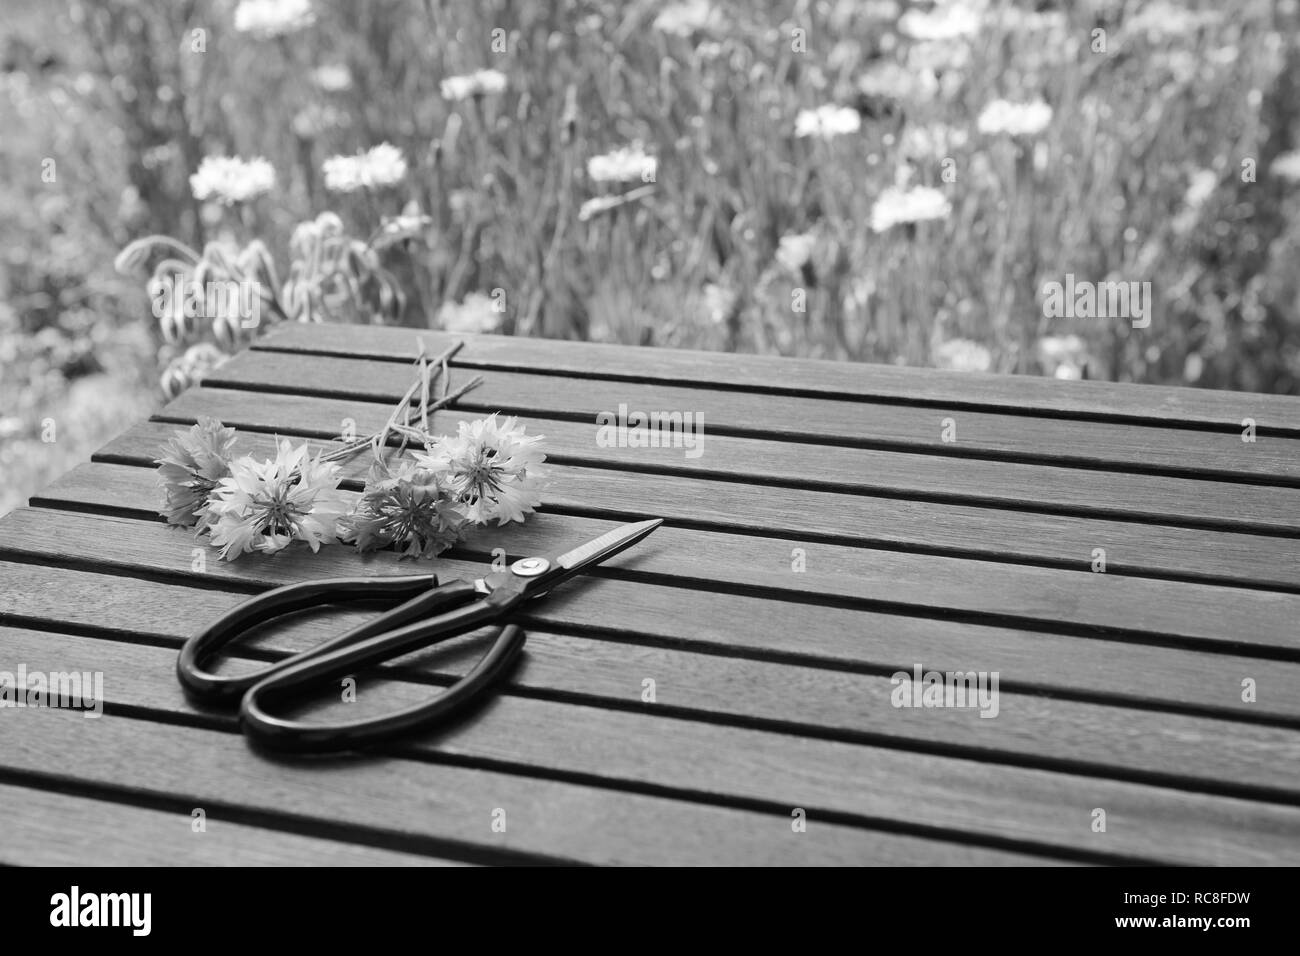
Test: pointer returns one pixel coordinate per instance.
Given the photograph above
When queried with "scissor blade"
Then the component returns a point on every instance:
(607, 545)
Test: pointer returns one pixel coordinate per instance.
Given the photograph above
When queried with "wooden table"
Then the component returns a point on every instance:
(827, 537)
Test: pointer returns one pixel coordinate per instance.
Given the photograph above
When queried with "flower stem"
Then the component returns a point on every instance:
(399, 422)
(446, 400)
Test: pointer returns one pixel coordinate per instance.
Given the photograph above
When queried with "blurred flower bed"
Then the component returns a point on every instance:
(868, 180)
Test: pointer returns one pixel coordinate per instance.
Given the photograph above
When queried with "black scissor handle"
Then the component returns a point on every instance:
(422, 595)
(279, 733)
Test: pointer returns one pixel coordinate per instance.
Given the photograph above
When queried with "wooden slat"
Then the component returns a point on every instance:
(987, 434)
(1063, 734)
(447, 808)
(1148, 723)
(896, 788)
(1056, 541)
(44, 828)
(1101, 399)
(1193, 614)
(756, 461)
(828, 638)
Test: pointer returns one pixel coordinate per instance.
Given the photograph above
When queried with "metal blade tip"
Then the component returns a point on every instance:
(609, 544)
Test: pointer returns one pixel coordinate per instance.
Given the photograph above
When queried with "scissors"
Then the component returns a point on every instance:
(429, 613)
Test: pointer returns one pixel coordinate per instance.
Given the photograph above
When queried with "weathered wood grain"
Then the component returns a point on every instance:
(37, 824)
(695, 760)
(1008, 485)
(1193, 614)
(829, 639)
(1119, 690)
(809, 376)
(443, 808)
(803, 516)
(987, 434)
(1072, 736)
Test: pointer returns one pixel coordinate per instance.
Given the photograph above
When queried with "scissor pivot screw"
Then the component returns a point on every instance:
(530, 567)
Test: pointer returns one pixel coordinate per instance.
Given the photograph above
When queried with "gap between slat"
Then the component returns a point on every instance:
(774, 388)
(945, 450)
(407, 674)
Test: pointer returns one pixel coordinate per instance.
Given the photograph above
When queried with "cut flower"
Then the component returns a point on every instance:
(192, 464)
(491, 467)
(411, 510)
(262, 506)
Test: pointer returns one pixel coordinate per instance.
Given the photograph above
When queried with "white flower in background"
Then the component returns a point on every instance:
(963, 355)
(683, 19)
(477, 313)
(624, 165)
(478, 83)
(794, 250)
(1064, 356)
(827, 121)
(1014, 119)
(332, 77)
(718, 302)
(1203, 183)
(1286, 166)
(229, 179)
(1200, 187)
(273, 18)
(1015, 19)
(408, 225)
(932, 141)
(1161, 19)
(944, 22)
(384, 165)
(895, 206)
(893, 80)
